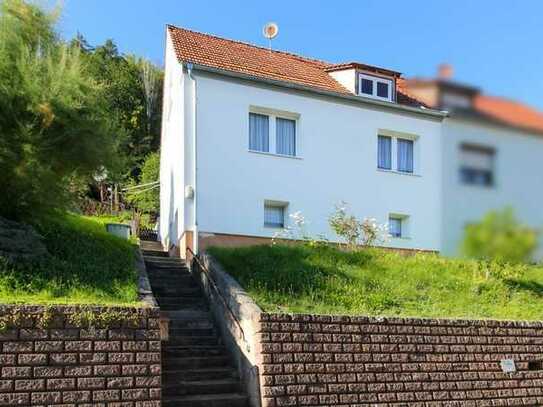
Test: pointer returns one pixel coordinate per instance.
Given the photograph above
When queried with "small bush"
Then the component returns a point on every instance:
(500, 237)
(366, 232)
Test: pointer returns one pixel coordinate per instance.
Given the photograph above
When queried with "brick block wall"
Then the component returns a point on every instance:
(310, 360)
(63, 364)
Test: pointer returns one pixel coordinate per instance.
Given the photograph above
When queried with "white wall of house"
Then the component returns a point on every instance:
(517, 172)
(172, 168)
(336, 161)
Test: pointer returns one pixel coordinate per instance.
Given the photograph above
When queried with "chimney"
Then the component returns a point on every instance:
(445, 71)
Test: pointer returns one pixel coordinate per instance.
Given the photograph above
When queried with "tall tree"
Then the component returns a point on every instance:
(54, 125)
(131, 89)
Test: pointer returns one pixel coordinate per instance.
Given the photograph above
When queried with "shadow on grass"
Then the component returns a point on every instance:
(532, 286)
(290, 269)
(82, 257)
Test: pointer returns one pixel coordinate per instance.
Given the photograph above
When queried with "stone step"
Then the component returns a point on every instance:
(150, 252)
(207, 400)
(192, 340)
(169, 277)
(173, 282)
(180, 300)
(162, 268)
(191, 324)
(167, 264)
(182, 351)
(187, 316)
(195, 362)
(177, 291)
(175, 375)
(183, 307)
(180, 332)
(183, 387)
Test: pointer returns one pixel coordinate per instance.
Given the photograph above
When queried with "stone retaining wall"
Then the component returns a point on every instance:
(68, 361)
(310, 360)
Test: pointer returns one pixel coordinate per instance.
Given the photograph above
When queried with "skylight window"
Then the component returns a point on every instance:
(375, 87)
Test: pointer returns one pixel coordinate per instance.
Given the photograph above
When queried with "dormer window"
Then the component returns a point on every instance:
(375, 87)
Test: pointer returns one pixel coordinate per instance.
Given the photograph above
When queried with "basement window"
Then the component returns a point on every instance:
(398, 226)
(375, 87)
(274, 214)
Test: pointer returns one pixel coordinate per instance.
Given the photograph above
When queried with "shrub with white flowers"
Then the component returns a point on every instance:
(367, 232)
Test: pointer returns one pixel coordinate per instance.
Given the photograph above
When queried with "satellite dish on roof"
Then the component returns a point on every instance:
(270, 31)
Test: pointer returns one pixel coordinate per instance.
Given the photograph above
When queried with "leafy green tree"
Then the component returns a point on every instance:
(54, 124)
(131, 88)
(500, 237)
(147, 197)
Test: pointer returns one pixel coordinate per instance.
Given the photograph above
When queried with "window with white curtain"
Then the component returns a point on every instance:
(259, 132)
(282, 128)
(274, 214)
(396, 152)
(405, 155)
(384, 152)
(285, 136)
(477, 165)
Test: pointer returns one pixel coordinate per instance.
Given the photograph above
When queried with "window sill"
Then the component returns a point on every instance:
(400, 238)
(294, 157)
(368, 96)
(276, 227)
(410, 174)
(481, 187)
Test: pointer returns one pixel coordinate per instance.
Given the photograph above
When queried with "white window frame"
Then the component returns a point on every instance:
(395, 136)
(376, 80)
(273, 115)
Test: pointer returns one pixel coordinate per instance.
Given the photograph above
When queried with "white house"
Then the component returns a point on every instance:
(251, 135)
(492, 149)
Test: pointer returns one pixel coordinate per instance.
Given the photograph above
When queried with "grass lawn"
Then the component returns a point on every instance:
(325, 280)
(85, 265)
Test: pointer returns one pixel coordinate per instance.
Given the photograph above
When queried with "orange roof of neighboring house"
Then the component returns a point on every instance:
(509, 112)
(240, 57)
(497, 109)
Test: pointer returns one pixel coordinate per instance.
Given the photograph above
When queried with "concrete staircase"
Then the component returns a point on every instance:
(196, 368)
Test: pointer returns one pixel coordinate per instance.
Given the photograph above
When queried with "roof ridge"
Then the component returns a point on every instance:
(291, 54)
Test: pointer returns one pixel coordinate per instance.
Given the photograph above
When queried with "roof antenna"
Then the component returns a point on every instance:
(270, 31)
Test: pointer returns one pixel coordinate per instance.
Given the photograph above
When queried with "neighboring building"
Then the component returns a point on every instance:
(277, 133)
(492, 149)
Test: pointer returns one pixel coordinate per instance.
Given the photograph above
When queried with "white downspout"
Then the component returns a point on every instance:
(194, 161)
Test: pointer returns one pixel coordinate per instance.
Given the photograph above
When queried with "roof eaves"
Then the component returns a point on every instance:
(358, 65)
(347, 96)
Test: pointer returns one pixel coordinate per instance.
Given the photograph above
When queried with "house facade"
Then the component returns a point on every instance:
(251, 136)
(491, 152)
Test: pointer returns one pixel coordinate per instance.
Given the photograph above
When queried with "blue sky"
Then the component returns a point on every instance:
(496, 45)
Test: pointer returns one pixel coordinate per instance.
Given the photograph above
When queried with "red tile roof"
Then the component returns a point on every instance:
(240, 57)
(493, 108)
(509, 112)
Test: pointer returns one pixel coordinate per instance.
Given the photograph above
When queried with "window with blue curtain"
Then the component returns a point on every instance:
(395, 226)
(384, 153)
(405, 155)
(286, 136)
(259, 132)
